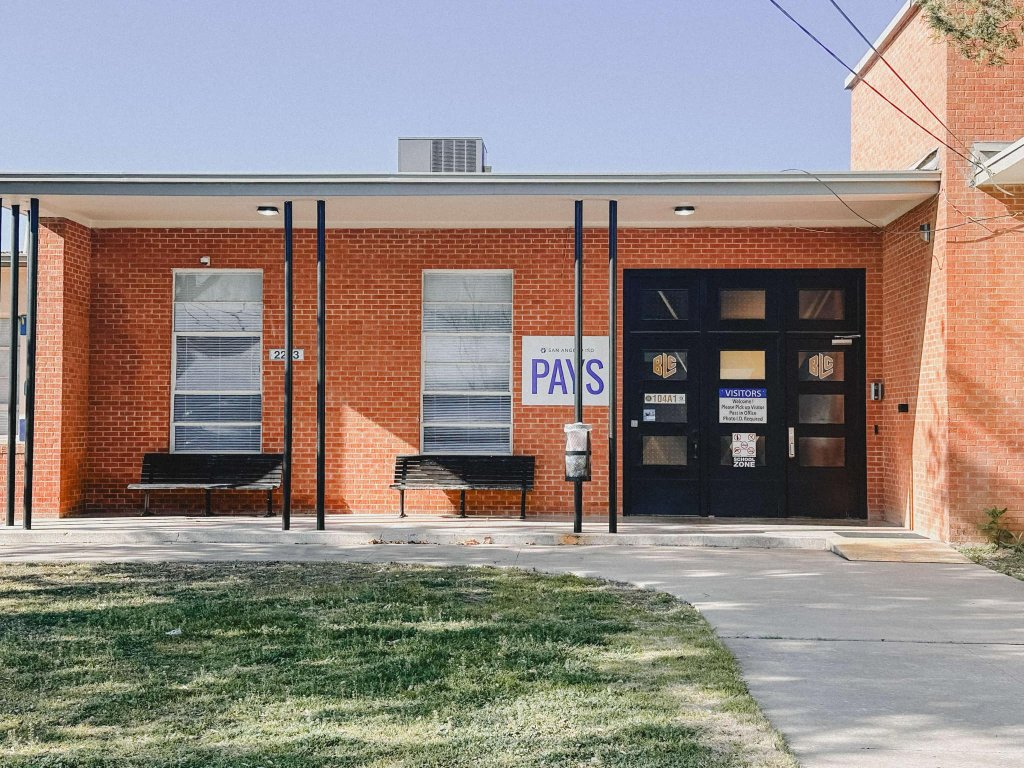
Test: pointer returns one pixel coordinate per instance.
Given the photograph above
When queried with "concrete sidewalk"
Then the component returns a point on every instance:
(349, 530)
(874, 665)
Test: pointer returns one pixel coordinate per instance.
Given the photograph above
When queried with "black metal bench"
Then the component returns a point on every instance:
(211, 472)
(463, 473)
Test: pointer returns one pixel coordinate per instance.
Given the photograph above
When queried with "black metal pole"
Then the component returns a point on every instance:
(577, 489)
(12, 389)
(286, 481)
(30, 356)
(321, 351)
(1, 241)
(613, 281)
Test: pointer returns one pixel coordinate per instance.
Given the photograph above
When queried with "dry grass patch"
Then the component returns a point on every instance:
(1005, 560)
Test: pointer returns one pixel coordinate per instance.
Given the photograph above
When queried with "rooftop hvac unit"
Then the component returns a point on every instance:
(440, 155)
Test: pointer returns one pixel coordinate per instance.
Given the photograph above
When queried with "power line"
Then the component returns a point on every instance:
(897, 74)
(976, 161)
(836, 195)
(864, 80)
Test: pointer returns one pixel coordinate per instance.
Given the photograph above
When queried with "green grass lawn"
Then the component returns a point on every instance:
(328, 664)
(1003, 560)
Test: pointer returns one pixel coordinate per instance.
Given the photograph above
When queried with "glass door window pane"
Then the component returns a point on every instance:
(665, 366)
(665, 305)
(664, 450)
(742, 364)
(822, 366)
(822, 451)
(822, 305)
(665, 408)
(741, 305)
(732, 453)
(822, 409)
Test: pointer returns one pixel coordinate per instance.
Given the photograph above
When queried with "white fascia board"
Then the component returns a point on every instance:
(905, 14)
(16, 185)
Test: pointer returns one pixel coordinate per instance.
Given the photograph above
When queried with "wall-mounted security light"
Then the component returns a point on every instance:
(926, 232)
(267, 210)
(684, 210)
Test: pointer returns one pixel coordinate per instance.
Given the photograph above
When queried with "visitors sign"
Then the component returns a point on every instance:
(742, 406)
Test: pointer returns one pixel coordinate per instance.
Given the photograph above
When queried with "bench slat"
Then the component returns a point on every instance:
(261, 471)
(457, 472)
(210, 472)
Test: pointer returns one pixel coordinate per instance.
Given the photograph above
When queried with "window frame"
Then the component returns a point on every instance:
(5, 265)
(493, 393)
(218, 334)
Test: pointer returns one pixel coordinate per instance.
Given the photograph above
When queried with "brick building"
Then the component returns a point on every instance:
(757, 311)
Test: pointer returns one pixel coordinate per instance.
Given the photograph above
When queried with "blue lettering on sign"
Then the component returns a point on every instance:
(592, 367)
(559, 376)
(743, 393)
(540, 369)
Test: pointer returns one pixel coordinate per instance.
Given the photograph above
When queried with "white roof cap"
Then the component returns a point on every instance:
(906, 13)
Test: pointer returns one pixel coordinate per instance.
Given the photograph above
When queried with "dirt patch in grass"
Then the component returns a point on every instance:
(1003, 560)
(327, 664)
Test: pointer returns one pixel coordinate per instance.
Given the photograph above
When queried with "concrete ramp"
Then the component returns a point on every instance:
(895, 549)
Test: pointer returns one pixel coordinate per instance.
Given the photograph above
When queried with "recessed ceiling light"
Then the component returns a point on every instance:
(684, 210)
(267, 210)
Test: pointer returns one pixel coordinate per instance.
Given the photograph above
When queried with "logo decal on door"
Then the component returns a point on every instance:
(664, 365)
(821, 366)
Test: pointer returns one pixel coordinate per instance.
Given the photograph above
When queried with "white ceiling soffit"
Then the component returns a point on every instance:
(476, 201)
(1004, 168)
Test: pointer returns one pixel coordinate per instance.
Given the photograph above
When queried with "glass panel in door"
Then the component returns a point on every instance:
(744, 395)
(825, 428)
(662, 431)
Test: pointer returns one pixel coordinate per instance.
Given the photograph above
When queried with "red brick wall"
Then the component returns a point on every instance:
(986, 309)
(915, 480)
(374, 284)
(879, 136)
(62, 374)
(958, 305)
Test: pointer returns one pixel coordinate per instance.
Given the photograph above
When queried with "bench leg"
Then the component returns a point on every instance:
(208, 511)
(401, 503)
(270, 504)
(522, 504)
(462, 503)
(145, 504)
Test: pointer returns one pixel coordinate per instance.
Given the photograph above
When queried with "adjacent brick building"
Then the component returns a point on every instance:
(937, 322)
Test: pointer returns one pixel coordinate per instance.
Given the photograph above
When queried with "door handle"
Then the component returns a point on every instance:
(695, 442)
(792, 443)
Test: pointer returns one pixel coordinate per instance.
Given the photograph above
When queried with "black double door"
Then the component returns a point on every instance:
(744, 393)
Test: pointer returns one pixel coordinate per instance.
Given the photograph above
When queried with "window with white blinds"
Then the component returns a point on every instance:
(218, 341)
(467, 362)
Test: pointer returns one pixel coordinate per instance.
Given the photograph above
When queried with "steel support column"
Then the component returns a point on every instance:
(613, 282)
(321, 364)
(286, 481)
(31, 287)
(577, 488)
(12, 389)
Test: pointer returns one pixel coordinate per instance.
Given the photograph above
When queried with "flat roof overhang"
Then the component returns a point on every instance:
(443, 201)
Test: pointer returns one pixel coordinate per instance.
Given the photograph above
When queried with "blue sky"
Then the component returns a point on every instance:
(551, 85)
